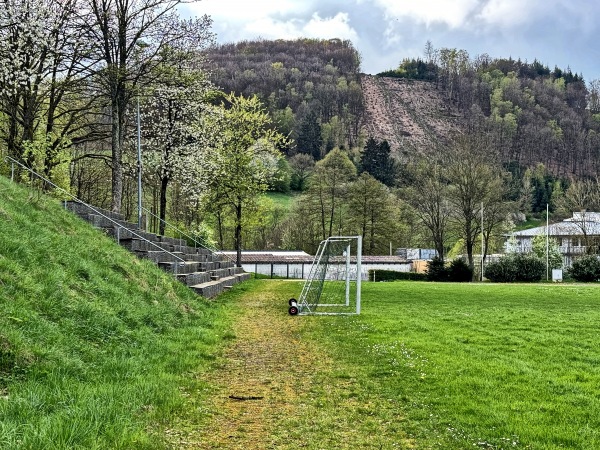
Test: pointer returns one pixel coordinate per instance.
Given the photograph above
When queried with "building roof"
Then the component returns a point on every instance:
(283, 257)
(573, 226)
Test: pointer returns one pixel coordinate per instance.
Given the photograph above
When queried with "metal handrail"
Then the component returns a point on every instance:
(200, 244)
(95, 210)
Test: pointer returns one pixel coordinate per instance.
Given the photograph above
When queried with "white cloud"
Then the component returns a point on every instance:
(285, 19)
(511, 13)
(268, 28)
(244, 10)
(337, 26)
(454, 13)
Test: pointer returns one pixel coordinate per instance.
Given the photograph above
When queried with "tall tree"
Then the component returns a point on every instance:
(128, 38)
(328, 189)
(474, 180)
(371, 212)
(377, 160)
(302, 166)
(310, 140)
(174, 133)
(430, 202)
(240, 165)
(174, 126)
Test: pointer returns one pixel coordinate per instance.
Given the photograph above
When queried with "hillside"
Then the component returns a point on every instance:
(94, 343)
(298, 81)
(412, 115)
(529, 113)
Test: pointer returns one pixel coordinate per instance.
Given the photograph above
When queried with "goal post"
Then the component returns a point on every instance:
(333, 285)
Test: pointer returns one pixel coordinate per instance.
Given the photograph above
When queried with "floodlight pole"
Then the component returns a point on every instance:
(139, 162)
(547, 246)
(482, 241)
(358, 272)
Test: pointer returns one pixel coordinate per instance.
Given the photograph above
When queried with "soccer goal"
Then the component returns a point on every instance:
(334, 281)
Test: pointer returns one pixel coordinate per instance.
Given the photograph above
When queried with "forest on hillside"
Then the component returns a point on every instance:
(307, 85)
(535, 114)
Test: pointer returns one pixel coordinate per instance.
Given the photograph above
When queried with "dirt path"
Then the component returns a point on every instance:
(259, 377)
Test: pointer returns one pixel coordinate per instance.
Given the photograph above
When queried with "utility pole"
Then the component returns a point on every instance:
(139, 163)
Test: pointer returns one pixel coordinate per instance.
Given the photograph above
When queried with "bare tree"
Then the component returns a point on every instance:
(430, 203)
(475, 181)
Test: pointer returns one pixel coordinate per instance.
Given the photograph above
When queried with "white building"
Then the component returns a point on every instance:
(574, 235)
(286, 264)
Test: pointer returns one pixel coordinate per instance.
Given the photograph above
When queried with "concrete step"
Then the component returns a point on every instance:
(139, 245)
(208, 266)
(159, 256)
(171, 241)
(209, 289)
(179, 267)
(80, 209)
(243, 276)
(125, 234)
(106, 222)
(195, 278)
(206, 273)
(237, 270)
(221, 273)
(225, 264)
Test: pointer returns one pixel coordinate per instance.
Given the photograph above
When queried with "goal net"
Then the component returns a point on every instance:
(334, 281)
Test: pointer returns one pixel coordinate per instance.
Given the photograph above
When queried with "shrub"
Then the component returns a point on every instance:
(392, 275)
(460, 271)
(516, 267)
(586, 269)
(501, 271)
(436, 270)
(529, 267)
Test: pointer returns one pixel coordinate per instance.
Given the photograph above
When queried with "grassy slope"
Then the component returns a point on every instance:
(283, 200)
(94, 344)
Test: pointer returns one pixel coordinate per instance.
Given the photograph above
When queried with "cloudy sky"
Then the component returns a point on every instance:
(559, 33)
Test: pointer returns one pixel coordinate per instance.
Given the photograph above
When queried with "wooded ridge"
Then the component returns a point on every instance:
(536, 115)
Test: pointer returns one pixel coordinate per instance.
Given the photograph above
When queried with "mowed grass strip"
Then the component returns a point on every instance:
(426, 365)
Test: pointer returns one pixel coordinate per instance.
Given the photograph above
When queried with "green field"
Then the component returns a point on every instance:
(280, 199)
(458, 366)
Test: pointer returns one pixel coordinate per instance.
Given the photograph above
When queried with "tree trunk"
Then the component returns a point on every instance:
(238, 233)
(164, 182)
(220, 227)
(117, 167)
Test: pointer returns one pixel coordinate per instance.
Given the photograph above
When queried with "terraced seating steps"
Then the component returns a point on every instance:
(207, 273)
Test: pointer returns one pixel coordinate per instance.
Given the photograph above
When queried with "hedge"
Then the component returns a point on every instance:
(392, 275)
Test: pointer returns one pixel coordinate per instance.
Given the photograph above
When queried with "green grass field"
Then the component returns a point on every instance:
(459, 366)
